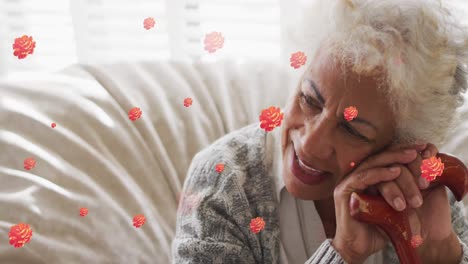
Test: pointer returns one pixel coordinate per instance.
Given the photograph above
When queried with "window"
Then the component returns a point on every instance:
(103, 31)
(251, 28)
(49, 24)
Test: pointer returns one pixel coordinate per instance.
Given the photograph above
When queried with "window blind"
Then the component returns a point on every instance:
(50, 26)
(112, 30)
(251, 28)
(105, 31)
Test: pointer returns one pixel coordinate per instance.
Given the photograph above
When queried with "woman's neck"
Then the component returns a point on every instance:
(326, 210)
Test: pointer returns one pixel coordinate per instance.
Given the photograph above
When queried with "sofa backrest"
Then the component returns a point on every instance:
(97, 158)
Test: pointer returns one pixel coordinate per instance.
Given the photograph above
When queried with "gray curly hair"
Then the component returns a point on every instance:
(372, 36)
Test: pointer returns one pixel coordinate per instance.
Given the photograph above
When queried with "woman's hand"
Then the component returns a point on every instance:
(406, 188)
(432, 221)
(355, 241)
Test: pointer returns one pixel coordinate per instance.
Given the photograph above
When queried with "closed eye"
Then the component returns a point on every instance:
(353, 132)
(310, 103)
(308, 100)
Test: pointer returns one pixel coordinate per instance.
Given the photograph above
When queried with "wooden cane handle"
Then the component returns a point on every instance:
(375, 210)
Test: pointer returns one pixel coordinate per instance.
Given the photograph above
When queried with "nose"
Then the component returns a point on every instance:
(316, 139)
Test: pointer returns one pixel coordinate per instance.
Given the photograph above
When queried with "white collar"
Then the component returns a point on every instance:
(276, 158)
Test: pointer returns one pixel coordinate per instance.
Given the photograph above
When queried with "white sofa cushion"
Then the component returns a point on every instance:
(99, 159)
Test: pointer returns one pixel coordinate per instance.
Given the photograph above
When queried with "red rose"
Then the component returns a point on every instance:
(134, 113)
(148, 23)
(139, 220)
(416, 241)
(29, 163)
(219, 167)
(298, 59)
(188, 102)
(257, 225)
(350, 113)
(20, 234)
(270, 118)
(189, 202)
(83, 211)
(213, 41)
(23, 46)
(431, 168)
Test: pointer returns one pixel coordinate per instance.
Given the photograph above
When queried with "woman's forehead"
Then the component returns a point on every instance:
(348, 89)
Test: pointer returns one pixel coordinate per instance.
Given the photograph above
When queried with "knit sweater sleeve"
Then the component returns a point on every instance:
(326, 253)
(210, 221)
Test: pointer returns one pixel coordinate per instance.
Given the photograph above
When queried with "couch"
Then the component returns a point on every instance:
(99, 159)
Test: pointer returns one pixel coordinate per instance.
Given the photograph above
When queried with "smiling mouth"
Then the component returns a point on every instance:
(307, 169)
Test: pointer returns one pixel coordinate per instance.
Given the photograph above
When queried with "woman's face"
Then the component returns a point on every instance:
(315, 130)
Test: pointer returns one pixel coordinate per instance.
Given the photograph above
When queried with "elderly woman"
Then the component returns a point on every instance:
(401, 65)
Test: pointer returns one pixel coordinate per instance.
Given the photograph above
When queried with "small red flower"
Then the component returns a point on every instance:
(213, 41)
(431, 168)
(139, 220)
(188, 102)
(53, 125)
(23, 46)
(134, 113)
(352, 164)
(189, 202)
(298, 59)
(29, 163)
(399, 59)
(148, 23)
(350, 113)
(270, 118)
(219, 167)
(20, 234)
(416, 241)
(257, 225)
(83, 211)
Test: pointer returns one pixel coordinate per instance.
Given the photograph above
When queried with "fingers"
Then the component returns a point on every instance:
(415, 168)
(419, 146)
(401, 191)
(431, 150)
(409, 187)
(359, 181)
(387, 158)
(392, 195)
(375, 169)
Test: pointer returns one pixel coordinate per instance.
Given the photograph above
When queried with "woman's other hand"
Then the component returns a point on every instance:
(431, 219)
(355, 241)
(406, 189)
